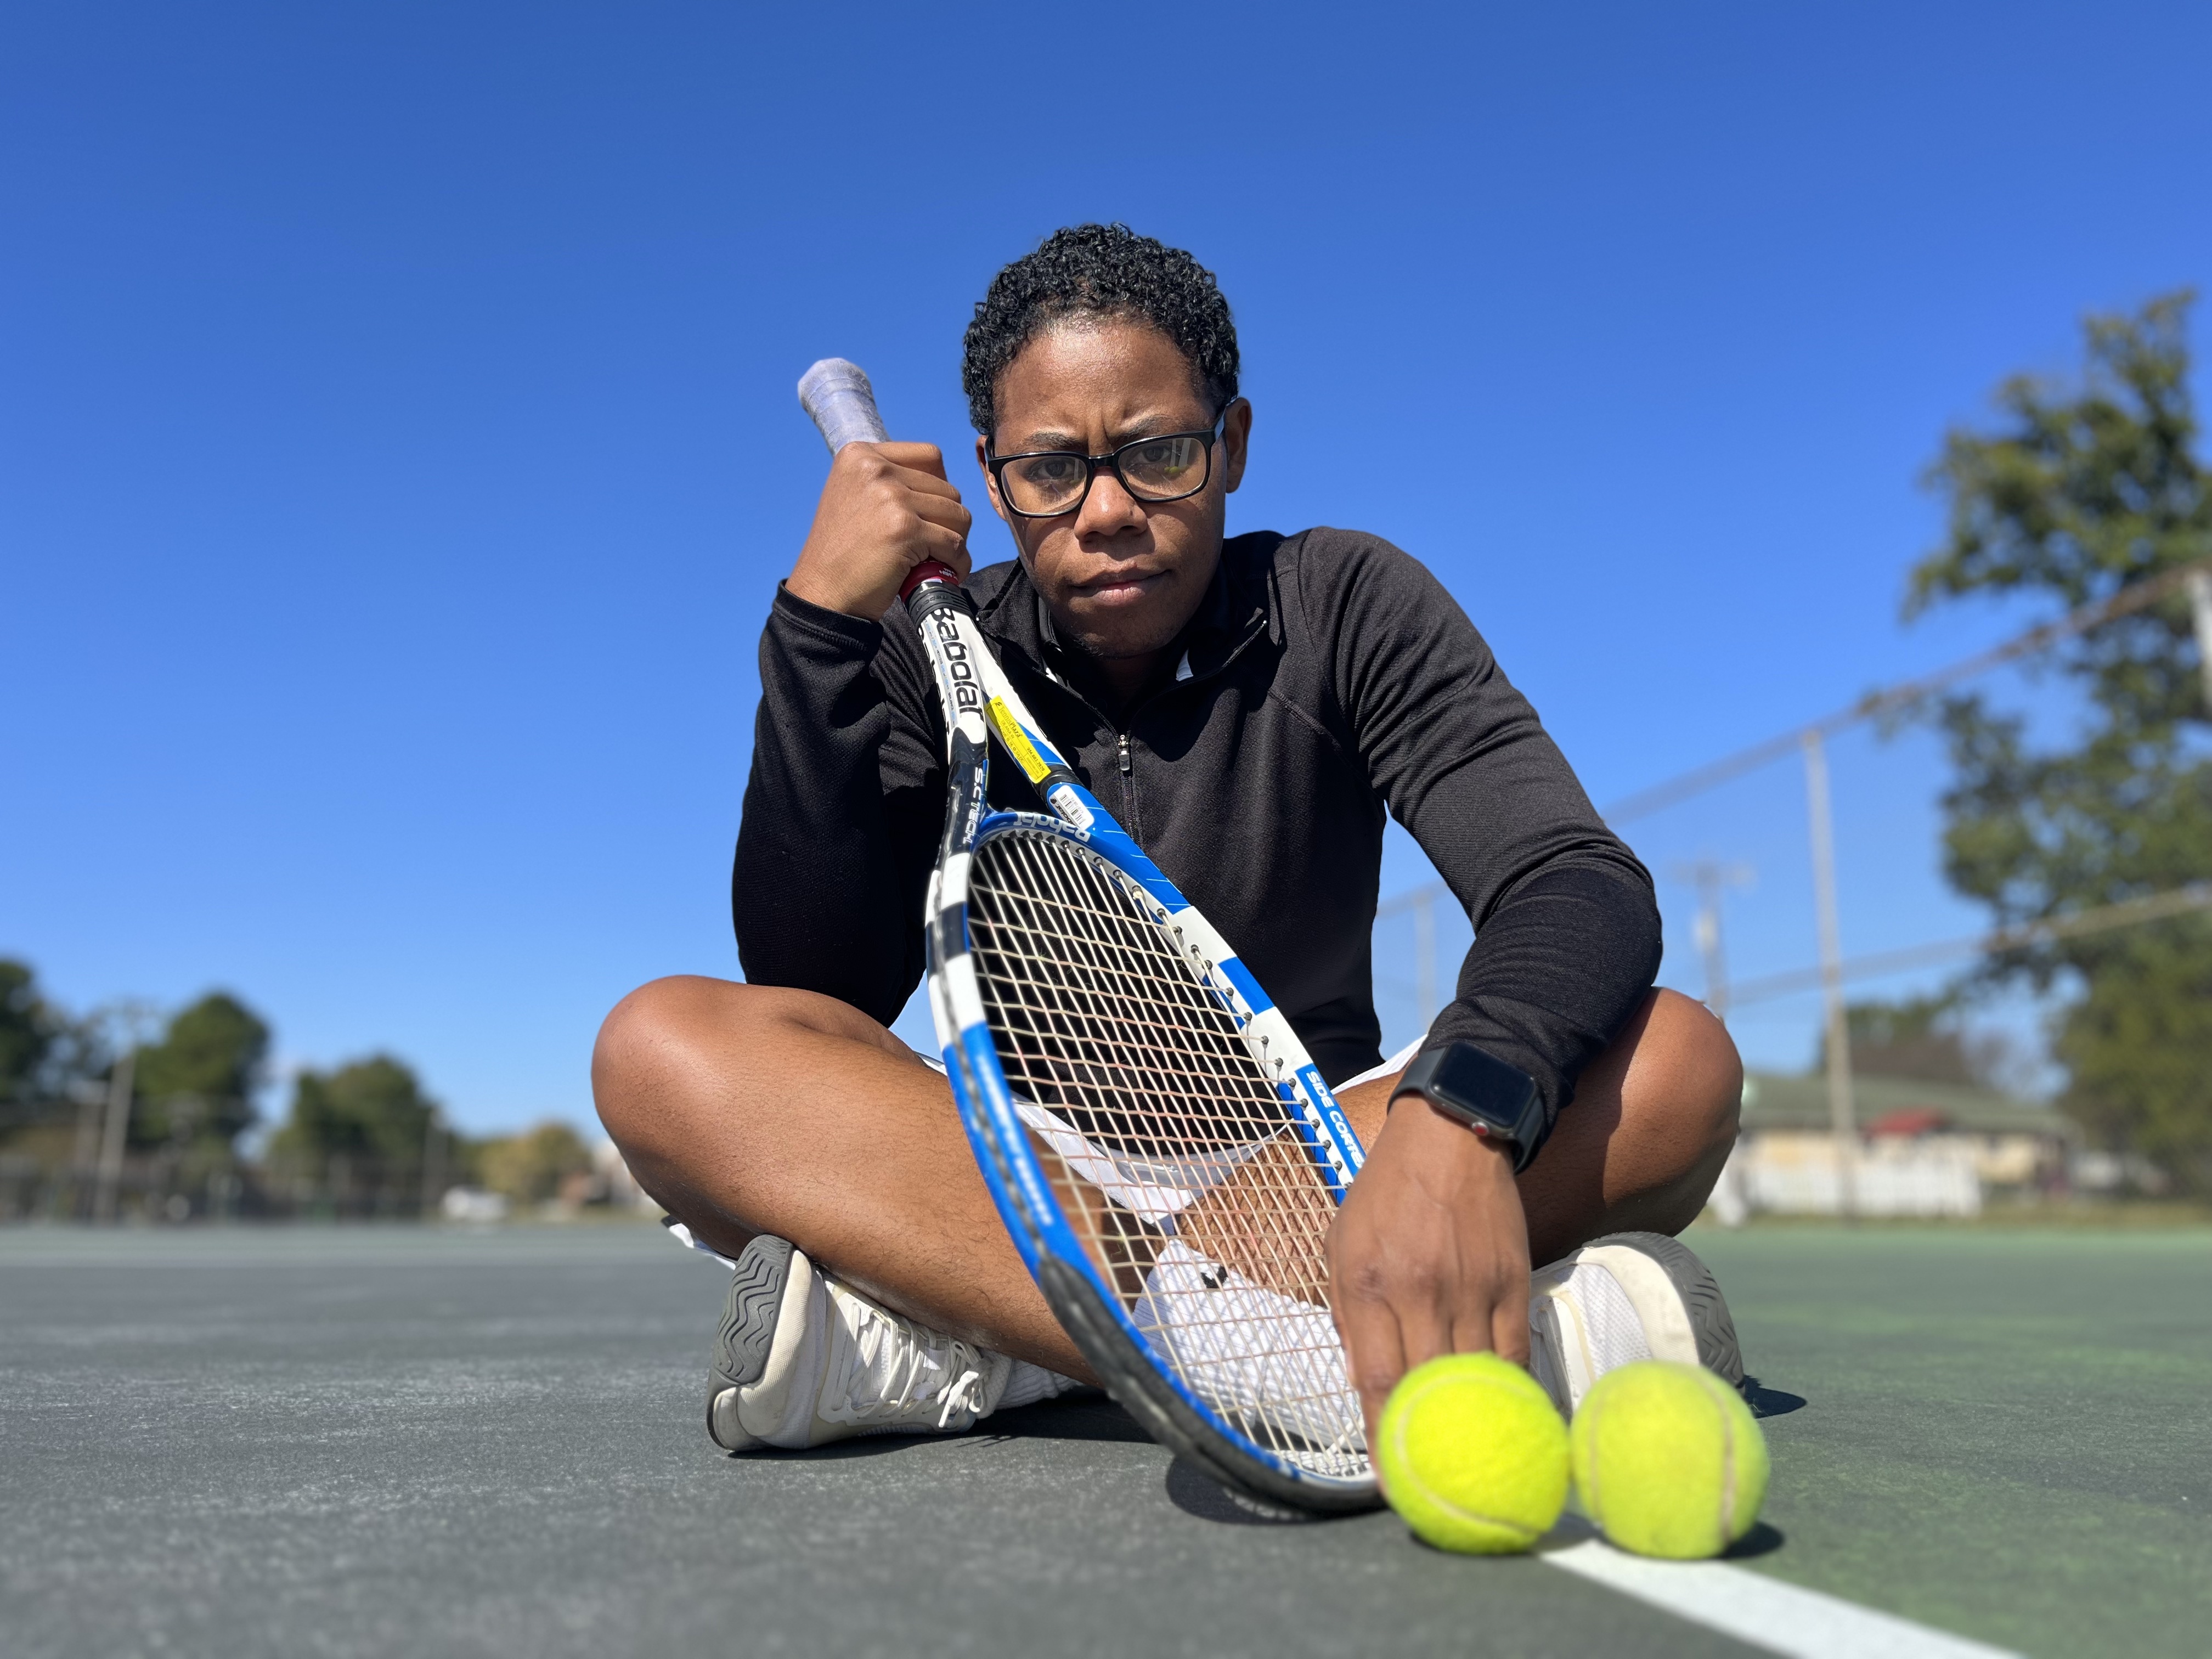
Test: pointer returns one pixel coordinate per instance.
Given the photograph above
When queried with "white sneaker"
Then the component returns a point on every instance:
(1253, 1353)
(1623, 1298)
(802, 1360)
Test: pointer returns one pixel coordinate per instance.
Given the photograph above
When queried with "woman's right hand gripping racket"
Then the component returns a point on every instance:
(1162, 1149)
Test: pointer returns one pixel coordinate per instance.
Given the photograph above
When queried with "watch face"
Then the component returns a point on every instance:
(1497, 1093)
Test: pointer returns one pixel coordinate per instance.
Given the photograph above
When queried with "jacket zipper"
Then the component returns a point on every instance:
(1122, 737)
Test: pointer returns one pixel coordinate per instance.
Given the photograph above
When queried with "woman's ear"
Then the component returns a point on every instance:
(1235, 440)
(990, 483)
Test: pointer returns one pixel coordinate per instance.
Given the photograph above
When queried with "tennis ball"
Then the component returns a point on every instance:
(1474, 1455)
(1668, 1459)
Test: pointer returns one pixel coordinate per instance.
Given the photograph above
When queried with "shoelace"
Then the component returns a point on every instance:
(914, 1364)
(961, 1396)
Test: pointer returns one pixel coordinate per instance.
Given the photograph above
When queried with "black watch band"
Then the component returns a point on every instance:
(1497, 1101)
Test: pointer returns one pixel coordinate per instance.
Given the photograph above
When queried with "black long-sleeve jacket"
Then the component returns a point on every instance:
(1327, 678)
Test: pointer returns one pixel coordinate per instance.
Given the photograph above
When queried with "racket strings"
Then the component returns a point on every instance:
(1107, 998)
(1129, 1045)
(1138, 1046)
(1191, 1187)
(1104, 1052)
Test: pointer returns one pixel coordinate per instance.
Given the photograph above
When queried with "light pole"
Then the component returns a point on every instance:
(433, 1165)
(132, 1020)
(1712, 879)
(1842, 1108)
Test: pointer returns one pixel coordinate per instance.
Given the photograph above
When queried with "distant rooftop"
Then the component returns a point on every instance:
(1777, 1100)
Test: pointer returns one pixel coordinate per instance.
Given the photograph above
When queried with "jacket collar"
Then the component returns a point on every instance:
(1240, 603)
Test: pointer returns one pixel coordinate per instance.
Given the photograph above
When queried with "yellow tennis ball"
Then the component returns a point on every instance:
(1668, 1459)
(1474, 1455)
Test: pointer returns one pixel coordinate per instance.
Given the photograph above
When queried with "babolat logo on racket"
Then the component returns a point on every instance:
(957, 665)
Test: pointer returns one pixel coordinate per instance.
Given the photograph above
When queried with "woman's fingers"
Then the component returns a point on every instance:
(1374, 1354)
(943, 510)
(922, 460)
(945, 545)
(1509, 1320)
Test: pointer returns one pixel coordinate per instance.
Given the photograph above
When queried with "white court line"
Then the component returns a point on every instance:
(1767, 1612)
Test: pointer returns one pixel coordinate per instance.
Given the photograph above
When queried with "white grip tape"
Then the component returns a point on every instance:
(838, 395)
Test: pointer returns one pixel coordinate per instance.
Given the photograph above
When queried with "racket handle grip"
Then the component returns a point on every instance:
(930, 588)
(929, 570)
(838, 396)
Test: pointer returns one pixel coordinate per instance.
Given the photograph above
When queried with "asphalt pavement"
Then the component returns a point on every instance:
(357, 1442)
(412, 1441)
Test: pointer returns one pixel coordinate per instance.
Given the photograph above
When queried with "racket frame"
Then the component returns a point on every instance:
(980, 703)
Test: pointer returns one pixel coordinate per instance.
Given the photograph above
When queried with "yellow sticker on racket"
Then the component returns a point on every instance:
(1016, 742)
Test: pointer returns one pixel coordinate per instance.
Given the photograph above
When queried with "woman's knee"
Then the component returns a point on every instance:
(1688, 1103)
(688, 1043)
(651, 1041)
(1694, 1076)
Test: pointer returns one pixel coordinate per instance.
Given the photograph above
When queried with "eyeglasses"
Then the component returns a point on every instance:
(1050, 483)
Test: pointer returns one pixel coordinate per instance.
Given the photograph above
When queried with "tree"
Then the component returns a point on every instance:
(2082, 491)
(197, 1083)
(26, 1030)
(1922, 1037)
(529, 1168)
(44, 1053)
(372, 1113)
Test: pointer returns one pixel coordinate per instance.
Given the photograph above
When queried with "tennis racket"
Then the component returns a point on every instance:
(1164, 1152)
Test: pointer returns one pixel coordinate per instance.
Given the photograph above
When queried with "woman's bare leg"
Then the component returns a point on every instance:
(744, 1109)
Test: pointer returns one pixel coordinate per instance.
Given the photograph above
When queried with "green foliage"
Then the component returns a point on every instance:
(197, 1082)
(1922, 1037)
(2138, 1044)
(529, 1167)
(43, 1052)
(2084, 491)
(26, 1030)
(373, 1113)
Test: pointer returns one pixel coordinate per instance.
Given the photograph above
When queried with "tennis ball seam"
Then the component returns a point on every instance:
(1430, 1494)
(1707, 1383)
(1739, 1455)
(1404, 1411)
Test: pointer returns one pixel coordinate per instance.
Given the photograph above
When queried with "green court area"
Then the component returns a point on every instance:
(377, 1442)
(2007, 1432)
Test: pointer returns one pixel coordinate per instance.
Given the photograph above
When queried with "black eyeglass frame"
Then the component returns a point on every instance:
(999, 464)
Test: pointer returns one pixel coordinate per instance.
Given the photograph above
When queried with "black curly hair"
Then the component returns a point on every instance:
(1099, 270)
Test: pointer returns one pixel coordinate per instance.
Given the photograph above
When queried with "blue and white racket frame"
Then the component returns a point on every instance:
(979, 702)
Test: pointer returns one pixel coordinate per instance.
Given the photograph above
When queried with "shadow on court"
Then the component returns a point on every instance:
(1770, 1403)
(1082, 1417)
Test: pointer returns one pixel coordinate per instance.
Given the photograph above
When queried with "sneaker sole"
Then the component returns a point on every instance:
(1710, 1321)
(741, 1345)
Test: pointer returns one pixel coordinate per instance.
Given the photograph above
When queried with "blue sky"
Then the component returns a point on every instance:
(398, 449)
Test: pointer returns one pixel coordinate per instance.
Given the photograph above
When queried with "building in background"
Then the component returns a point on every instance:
(1924, 1149)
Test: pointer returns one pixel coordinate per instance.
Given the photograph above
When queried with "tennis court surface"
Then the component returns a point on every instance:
(353, 1442)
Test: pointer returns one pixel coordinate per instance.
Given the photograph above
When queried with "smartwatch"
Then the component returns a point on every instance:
(1498, 1102)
